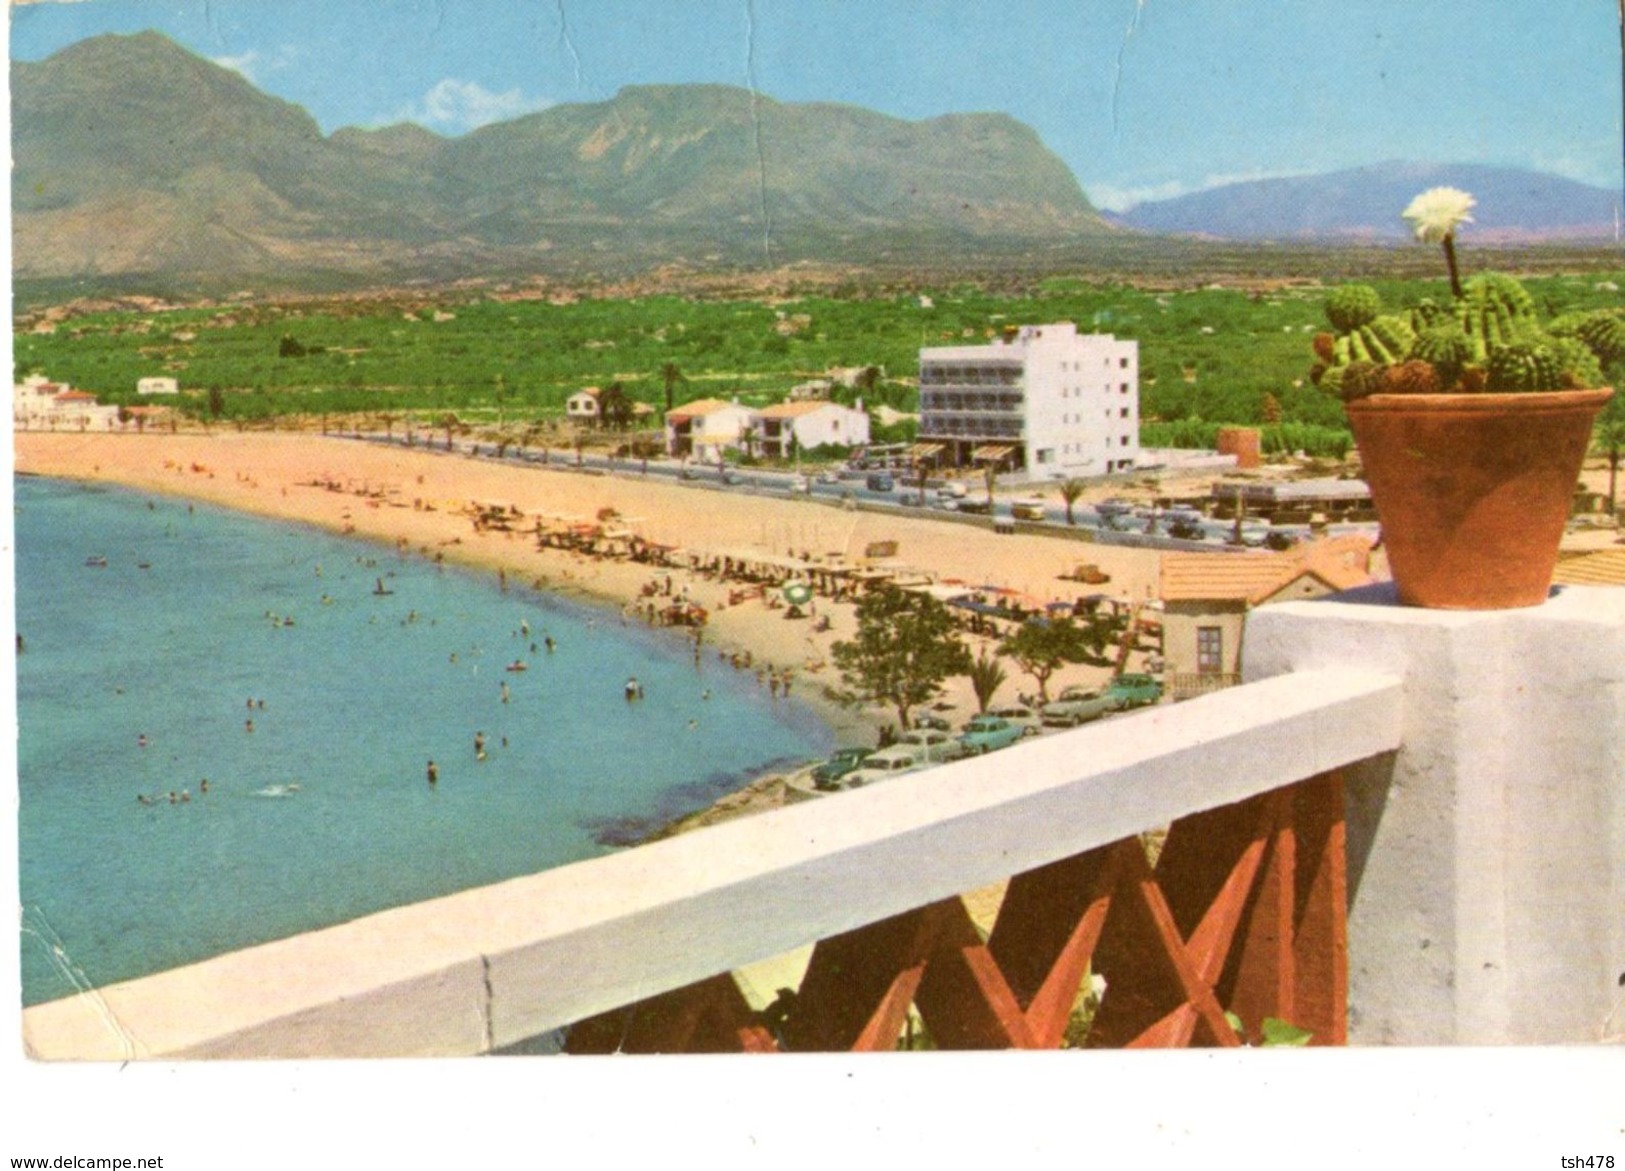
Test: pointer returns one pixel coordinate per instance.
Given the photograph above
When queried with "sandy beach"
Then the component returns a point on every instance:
(419, 500)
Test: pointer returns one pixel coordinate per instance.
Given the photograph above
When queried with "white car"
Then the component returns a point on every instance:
(952, 490)
(889, 762)
(931, 744)
(799, 484)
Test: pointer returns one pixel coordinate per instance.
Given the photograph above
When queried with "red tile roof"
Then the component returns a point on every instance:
(1340, 562)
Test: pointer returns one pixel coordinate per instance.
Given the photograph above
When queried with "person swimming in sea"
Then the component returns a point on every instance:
(434, 772)
(634, 689)
(479, 745)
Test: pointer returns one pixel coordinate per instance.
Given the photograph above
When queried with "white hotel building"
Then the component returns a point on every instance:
(1045, 403)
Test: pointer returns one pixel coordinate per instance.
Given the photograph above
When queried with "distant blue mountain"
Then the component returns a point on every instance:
(1364, 204)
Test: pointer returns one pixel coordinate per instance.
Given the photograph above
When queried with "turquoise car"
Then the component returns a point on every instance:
(987, 733)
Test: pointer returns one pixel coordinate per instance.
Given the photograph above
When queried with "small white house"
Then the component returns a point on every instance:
(582, 406)
(805, 425)
(703, 429)
(158, 385)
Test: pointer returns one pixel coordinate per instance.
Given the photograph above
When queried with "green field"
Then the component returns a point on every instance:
(1207, 355)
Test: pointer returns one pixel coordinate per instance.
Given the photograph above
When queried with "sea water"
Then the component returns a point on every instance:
(310, 678)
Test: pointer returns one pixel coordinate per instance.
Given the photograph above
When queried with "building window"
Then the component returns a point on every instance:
(1122, 441)
(1123, 362)
(1209, 650)
(1121, 414)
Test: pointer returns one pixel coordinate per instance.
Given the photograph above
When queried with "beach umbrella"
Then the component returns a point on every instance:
(797, 593)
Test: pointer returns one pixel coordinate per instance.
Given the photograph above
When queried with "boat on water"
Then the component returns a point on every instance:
(96, 562)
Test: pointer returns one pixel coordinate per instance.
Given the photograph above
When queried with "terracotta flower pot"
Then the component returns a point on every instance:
(1473, 490)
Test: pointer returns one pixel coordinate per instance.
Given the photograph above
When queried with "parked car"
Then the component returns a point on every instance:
(975, 504)
(1027, 508)
(827, 477)
(1079, 705)
(732, 477)
(1135, 690)
(883, 766)
(799, 484)
(932, 720)
(844, 760)
(1020, 715)
(879, 482)
(987, 733)
(932, 744)
(952, 490)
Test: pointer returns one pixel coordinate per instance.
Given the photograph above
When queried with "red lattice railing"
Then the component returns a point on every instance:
(1243, 912)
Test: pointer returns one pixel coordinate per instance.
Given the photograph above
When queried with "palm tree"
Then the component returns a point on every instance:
(670, 376)
(985, 677)
(991, 472)
(1609, 440)
(1071, 489)
(1434, 216)
(614, 407)
(450, 422)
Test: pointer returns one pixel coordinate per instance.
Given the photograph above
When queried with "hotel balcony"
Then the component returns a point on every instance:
(1403, 827)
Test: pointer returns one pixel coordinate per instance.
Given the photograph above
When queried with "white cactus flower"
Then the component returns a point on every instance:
(1436, 213)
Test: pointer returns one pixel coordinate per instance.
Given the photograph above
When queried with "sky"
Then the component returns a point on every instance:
(1141, 98)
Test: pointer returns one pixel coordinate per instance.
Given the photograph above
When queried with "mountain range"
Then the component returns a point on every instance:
(135, 155)
(135, 158)
(1364, 203)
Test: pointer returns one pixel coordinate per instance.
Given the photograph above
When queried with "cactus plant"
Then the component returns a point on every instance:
(1523, 366)
(1348, 307)
(1428, 312)
(1494, 311)
(1580, 366)
(1361, 379)
(1603, 332)
(1446, 348)
(1413, 377)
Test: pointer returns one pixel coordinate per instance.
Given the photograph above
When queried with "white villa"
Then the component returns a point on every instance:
(37, 404)
(705, 428)
(1044, 402)
(808, 424)
(582, 406)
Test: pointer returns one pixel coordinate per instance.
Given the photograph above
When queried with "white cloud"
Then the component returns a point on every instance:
(242, 63)
(254, 65)
(1110, 197)
(464, 105)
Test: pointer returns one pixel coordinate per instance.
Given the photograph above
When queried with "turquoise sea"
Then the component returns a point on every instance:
(153, 632)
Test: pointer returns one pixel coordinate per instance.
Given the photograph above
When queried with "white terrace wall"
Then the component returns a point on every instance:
(1487, 856)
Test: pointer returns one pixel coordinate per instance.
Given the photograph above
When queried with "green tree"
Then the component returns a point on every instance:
(985, 677)
(1071, 489)
(1042, 646)
(906, 646)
